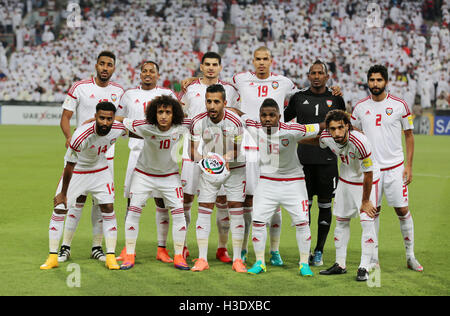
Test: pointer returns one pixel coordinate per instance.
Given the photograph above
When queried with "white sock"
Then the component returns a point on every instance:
(368, 240)
(97, 226)
(187, 216)
(110, 231)
(162, 225)
(203, 228)
(376, 223)
(178, 230)
(259, 237)
(341, 237)
(132, 228)
(223, 224)
(407, 229)
(237, 225)
(71, 224)
(275, 231)
(303, 235)
(55, 231)
(248, 223)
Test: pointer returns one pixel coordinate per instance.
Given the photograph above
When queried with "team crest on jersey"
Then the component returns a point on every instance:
(275, 84)
(183, 183)
(114, 97)
(285, 142)
(352, 155)
(389, 111)
(113, 141)
(329, 103)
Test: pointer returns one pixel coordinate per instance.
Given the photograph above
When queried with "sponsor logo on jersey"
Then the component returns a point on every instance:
(285, 142)
(306, 102)
(368, 112)
(183, 183)
(389, 111)
(92, 96)
(137, 101)
(114, 97)
(113, 141)
(329, 103)
(275, 84)
(198, 95)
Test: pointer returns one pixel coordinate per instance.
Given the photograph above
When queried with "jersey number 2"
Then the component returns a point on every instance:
(378, 120)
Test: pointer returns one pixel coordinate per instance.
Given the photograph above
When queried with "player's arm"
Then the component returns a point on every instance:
(409, 141)
(366, 204)
(65, 125)
(290, 111)
(186, 82)
(61, 198)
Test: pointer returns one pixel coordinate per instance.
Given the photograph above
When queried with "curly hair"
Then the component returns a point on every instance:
(164, 100)
(338, 115)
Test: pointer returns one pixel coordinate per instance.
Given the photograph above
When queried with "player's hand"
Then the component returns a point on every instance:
(368, 207)
(237, 111)
(68, 140)
(186, 82)
(60, 199)
(407, 175)
(336, 91)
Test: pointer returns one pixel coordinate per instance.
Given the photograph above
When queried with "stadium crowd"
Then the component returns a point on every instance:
(349, 35)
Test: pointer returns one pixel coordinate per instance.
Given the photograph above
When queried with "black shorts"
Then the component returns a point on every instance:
(321, 180)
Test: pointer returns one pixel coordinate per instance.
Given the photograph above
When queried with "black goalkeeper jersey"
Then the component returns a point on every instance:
(311, 108)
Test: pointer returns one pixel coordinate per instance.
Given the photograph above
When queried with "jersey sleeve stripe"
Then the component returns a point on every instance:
(233, 119)
(403, 102)
(78, 83)
(360, 101)
(79, 140)
(359, 145)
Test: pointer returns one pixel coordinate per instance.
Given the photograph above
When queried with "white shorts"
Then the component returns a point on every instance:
(348, 198)
(110, 163)
(234, 186)
(168, 187)
(271, 194)
(251, 151)
(99, 183)
(190, 177)
(393, 187)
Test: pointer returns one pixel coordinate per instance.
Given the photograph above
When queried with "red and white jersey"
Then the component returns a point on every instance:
(84, 96)
(254, 91)
(87, 149)
(221, 137)
(382, 122)
(356, 156)
(133, 103)
(159, 155)
(278, 151)
(194, 97)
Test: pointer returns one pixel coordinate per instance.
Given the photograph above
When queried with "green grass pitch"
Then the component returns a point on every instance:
(32, 162)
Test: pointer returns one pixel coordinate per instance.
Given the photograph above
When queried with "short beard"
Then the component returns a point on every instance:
(101, 132)
(377, 93)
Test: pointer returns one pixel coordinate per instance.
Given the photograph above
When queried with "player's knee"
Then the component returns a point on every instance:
(187, 198)
(159, 202)
(248, 201)
(221, 200)
(107, 208)
(401, 211)
(82, 199)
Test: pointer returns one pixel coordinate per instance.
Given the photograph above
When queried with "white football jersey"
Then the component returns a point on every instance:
(278, 152)
(194, 97)
(84, 96)
(133, 103)
(254, 91)
(160, 153)
(87, 149)
(356, 156)
(212, 136)
(382, 122)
